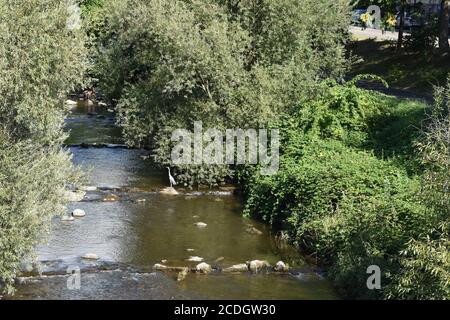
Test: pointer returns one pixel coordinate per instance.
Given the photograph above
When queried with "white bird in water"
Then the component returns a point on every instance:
(171, 179)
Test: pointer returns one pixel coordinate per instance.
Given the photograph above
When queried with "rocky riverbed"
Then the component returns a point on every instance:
(124, 227)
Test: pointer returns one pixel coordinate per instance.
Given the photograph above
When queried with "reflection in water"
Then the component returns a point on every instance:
(141, 233)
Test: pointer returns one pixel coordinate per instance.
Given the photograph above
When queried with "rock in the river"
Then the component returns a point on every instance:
(200, 224)
(190, 249)
(67, 218)
(88, 188)
(102, 104)
(252, 230)
(74, 196)
(220, 259)
(159, 266)
(257, 265)
(237, 268)
(281, 267)
(203, 268)
(111, 197)
(71, 102)
(195, 259)
(90, 256)
(182, 274)
(78, 213)
(169, 191)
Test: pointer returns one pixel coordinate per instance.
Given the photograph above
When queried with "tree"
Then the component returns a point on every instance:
(444, 25)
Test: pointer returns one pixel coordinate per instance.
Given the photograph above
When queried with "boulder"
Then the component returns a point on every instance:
(253, 230)
(67, 218)
(237, 268)
(203, 268)
(160, 267)
(195, 259)
(200, 224)
(170, 191)
(281, 267)
(71, 102)
(88, 188)
(78, 213)
(220, 259)
(257, 265)
(74, 196)
(90, 256)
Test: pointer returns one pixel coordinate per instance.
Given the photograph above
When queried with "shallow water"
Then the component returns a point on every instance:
(144, 227)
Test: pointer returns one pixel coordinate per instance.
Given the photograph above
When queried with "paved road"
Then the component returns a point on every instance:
(375, 33)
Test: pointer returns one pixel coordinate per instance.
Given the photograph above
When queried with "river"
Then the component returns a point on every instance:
(141, 227)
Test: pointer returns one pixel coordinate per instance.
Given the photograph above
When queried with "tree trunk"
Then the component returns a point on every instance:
(401, 28)
(443, 25)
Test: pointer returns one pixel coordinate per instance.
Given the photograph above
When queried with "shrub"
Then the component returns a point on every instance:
(225, 63)
(41, 60)
(348, 207)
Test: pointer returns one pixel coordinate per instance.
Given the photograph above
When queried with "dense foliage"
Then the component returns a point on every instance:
(228, 63)
(350, 208)
(41, 60)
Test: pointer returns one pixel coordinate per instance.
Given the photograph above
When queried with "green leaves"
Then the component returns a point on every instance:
(40, 62)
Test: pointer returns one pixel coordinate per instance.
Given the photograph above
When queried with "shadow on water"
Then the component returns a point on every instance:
(142, 227)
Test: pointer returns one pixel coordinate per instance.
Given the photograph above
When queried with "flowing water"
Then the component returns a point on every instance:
(142, 227)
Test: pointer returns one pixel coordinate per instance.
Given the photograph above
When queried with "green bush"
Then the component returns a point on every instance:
(350, 208)
(228, 64)
(41, 60)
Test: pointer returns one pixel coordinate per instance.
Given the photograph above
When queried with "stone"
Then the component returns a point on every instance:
(164, 261)
(170, 191)
(281, 267)
(253, 230)
(71, 102)
(257, 265)
(111, 198)
(88, 188)
(141, 200)
(102, 104)
(237, 268)
(201, 224)
(220, 259)
(182, 274)
(195, 259)
(67, 218)
(190, 249)
(78, 213)
(203, 268)
(90, 256)
(74, 196)
(158, 266)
